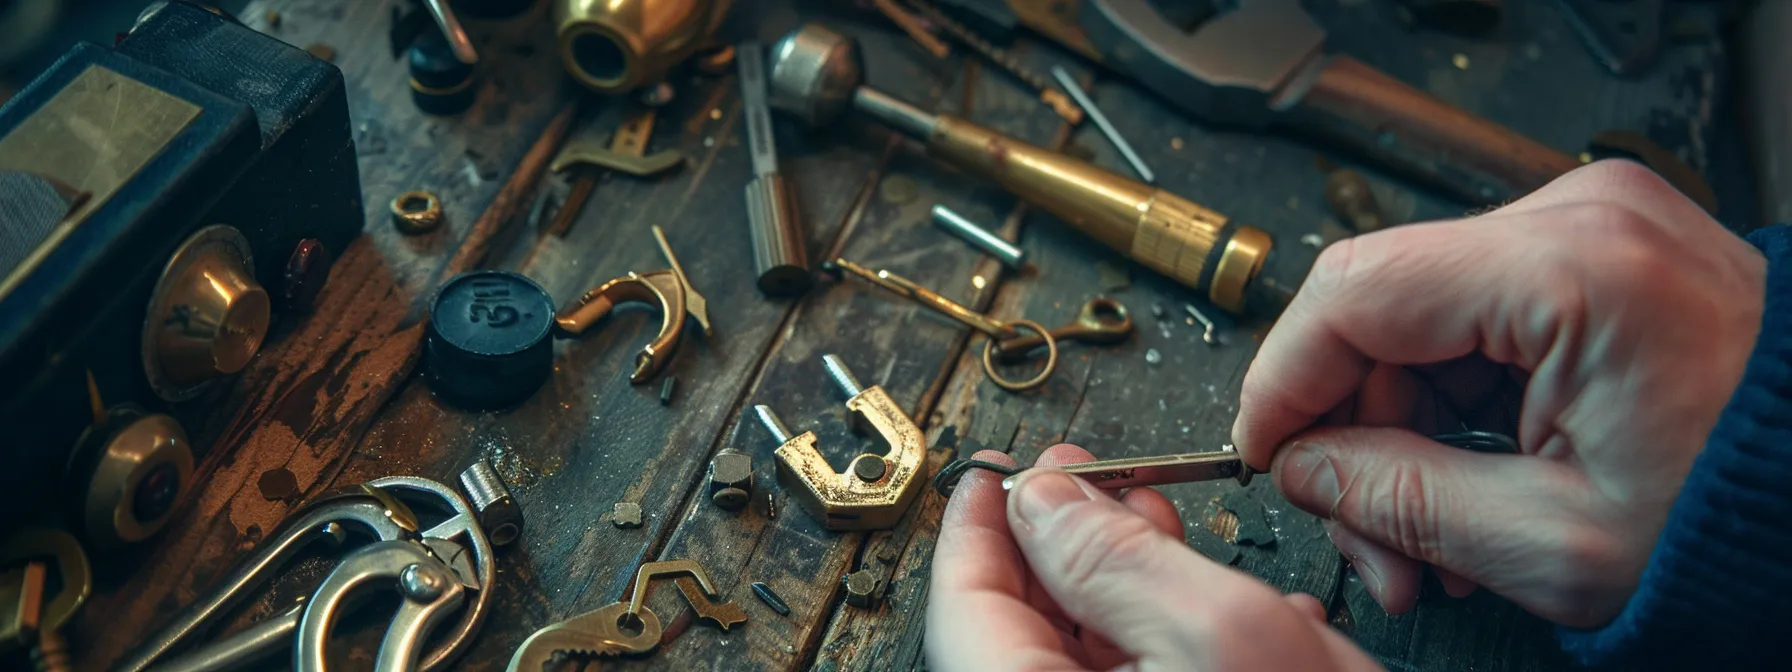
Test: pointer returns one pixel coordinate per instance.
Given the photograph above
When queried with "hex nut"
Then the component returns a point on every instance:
(731, 480)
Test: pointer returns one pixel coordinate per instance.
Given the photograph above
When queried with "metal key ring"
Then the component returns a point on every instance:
(1051, 358)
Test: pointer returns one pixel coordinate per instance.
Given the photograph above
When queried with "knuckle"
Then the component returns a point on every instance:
(1334, 267)
(1411, 512)
(1623, 173)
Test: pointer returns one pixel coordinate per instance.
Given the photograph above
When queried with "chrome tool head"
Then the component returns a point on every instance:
(815, 71)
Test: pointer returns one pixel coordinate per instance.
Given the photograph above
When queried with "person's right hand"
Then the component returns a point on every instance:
(1605, 315)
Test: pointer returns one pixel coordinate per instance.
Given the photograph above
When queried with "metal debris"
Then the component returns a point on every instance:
(1153, 357)
(771, 506)
(1460, 61)
(770, 598)
(666, 390)
(1313, 240)
(273, 19)
(626, 515)
(322, 51)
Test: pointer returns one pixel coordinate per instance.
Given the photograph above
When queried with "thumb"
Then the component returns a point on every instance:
(1112, 571)
(1467, 512)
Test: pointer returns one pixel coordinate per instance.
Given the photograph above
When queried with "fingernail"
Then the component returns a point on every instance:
(1309, 479)
(1038, 494)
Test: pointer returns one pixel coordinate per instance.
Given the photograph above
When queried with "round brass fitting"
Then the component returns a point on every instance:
(142, 465)
(416, 212)
(207, 316)
(1239, 263)
(612, 46)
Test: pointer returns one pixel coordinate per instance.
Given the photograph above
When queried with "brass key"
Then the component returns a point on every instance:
(1102, 321)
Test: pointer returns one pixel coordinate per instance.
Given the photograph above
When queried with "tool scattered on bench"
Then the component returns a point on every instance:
(626, 628)
(669, 290)
(877, 489)
(1132, 472)
(780, 253)
(33, 562)
(1263, 65)
(817, 76)
(451, 558)
(1101, 321)
(1053, 98)
(626, 154)
(1101, 122)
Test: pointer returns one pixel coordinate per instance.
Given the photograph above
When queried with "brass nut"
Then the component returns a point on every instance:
(864, 588)
(416, 212)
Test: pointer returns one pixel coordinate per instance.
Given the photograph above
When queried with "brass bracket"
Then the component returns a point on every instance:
(656, 288)
(877, 489)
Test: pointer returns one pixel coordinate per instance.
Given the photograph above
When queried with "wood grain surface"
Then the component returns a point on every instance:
(335, 400)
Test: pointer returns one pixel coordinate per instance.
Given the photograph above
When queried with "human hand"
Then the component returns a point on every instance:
(1064, 576)
(1605, 315)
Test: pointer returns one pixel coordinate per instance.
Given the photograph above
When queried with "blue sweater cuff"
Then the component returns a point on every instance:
(1717, 592)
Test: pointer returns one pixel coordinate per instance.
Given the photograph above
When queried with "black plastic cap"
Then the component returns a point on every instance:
(489, 342)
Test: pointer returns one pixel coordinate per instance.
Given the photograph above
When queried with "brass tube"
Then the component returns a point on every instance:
(613, 46)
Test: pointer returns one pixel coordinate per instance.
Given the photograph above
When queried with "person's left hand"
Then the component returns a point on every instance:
(1064, 576)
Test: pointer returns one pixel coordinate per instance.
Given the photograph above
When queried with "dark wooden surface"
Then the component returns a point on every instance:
(335, 399)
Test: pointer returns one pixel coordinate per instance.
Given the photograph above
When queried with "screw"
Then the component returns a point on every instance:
(731, 479)
(772, 423)
(1208, 334)
(842, 376)
(420, 583)
(869, 468)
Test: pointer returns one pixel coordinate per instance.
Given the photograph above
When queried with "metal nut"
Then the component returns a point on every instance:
(498, 510)
(416, 212)
(731, 480)
(864, 588)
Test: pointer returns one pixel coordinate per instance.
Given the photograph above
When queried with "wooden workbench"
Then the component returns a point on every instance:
(337, 398)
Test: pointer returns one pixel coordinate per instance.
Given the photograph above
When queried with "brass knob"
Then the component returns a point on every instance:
(207, 317)
(142, 464)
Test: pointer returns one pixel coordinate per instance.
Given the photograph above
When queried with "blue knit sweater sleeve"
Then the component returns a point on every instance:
(1717, 592)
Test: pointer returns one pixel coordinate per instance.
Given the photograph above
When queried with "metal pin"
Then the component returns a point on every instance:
(1208, 334)
(771, 506)
(772, 423)
(666, 390)
(842, 377)
(498, 510)
(1011, 256)
(770, 598)
(1101, 121)
(451, 28)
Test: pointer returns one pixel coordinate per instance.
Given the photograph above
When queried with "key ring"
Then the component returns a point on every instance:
(1051, 358)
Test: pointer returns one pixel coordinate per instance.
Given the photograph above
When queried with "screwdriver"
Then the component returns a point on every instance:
(1132, 472)
(817, 75)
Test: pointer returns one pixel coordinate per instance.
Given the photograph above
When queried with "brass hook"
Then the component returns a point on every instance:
(658, 288)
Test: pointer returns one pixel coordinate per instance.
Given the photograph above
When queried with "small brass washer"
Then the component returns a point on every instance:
(1051, 358)
(416, 222)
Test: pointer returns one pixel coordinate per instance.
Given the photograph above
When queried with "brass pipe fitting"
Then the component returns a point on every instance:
(612, 46)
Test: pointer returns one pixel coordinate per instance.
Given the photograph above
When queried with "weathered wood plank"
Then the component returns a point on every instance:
(888, 342)
(307, 398)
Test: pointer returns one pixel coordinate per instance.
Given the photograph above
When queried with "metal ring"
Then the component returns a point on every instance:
(1051, 358)
(414, 222)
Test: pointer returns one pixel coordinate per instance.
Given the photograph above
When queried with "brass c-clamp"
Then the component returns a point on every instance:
(669, 289)
(877, 489)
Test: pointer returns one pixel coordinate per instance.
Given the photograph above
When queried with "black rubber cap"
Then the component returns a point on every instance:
(489, 342)
(440, 83)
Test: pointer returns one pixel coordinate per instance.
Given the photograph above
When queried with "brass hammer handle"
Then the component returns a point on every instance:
(1167, 233)
(1434, 141)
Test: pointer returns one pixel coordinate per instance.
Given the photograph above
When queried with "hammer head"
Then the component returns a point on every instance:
(815, 71)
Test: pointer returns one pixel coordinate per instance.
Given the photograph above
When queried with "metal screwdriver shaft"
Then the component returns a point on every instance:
(1101, 122)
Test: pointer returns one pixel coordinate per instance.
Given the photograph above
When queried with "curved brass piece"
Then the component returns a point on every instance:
(207, 316)
(613, 46)
(850, 501)
(416, 212)
(1102, 320)
(1051, 359)
(654, 570)
(659, 288)
(588, 635)
(71, 564)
